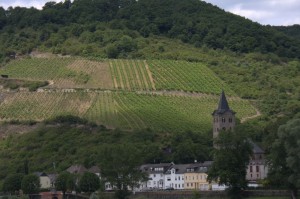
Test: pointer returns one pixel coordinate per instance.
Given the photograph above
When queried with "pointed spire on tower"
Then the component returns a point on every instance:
(223, 105)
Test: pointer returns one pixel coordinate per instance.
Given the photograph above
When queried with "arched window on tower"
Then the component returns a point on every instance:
(223, 120)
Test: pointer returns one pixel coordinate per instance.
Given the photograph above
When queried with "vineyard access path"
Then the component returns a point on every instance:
(258, 113)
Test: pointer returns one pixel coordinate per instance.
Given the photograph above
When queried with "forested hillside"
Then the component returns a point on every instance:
(122, 28)
(293, 31)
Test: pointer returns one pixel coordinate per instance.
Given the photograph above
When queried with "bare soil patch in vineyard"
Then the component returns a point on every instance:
(99, 72)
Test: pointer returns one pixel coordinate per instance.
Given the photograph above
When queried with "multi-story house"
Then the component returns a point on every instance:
(257, 168)
(174, 176)
(195, 176)
(156, 175)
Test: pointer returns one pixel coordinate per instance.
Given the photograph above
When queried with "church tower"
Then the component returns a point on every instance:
(223, 117)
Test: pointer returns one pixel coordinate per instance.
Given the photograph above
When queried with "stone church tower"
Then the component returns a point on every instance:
(223, 117)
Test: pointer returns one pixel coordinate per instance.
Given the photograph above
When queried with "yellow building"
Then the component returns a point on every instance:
(195, 176)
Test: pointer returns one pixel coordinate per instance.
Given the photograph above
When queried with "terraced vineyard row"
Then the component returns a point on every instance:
(131, 75)
(186, 76)
(124, 110)
(39, 106)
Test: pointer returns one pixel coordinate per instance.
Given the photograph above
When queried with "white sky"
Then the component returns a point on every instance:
(272, 12)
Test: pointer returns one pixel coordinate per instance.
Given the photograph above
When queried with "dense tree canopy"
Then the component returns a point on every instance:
(30, 184)
(231, 156)
(284, 157)
(65, 181)
(89, 182)
(120, 167)
(12, 183)
(64, 25)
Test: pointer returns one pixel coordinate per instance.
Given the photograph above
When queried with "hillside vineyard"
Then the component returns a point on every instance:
(126, 94)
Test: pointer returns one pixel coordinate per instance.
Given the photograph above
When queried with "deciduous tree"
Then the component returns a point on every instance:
(120, 167)
(284, 157)
(12, 183)
(230, 161)
(30, 184)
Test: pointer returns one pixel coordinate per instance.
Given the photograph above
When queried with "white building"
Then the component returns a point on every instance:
(257, 168)
(174, 176)
(156, 175)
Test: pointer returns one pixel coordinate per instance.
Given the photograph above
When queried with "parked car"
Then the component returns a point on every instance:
(169, 189)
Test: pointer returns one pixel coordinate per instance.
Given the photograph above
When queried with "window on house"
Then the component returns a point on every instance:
(230, 120)
(251, 169)
(187, 184)
(182, 185)
(223, 120)
(257, 168)
(168, 179)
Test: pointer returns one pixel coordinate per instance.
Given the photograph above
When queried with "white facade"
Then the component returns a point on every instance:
(45, 182)
(174, 179)
(256, 171)
(156, 176)
(156, 181)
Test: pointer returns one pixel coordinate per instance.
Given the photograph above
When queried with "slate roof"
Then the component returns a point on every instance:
(179, 168)
(256, 149)
(94, 169)
(150, 168)
(223, 106)
(77, 169)
(52, 177)
(39, 174)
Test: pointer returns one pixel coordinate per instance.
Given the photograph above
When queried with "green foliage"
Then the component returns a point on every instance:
(89, 27)
(89, 182)
(15, 84)
(231, 157)
(65, 181)
(284, 157)
(12, 183)
(30, 184)
(120, 167)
